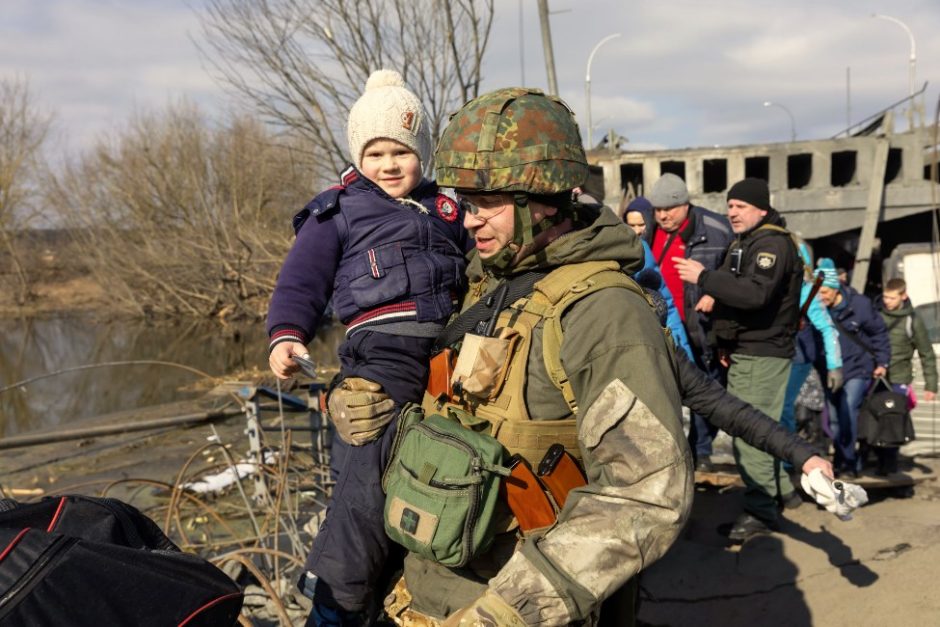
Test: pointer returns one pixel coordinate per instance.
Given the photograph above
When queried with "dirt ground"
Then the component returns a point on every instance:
(880, 568)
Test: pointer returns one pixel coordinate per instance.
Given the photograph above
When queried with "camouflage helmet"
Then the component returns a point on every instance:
(512, 140)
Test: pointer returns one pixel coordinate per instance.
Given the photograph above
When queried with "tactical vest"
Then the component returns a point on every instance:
(505, 410)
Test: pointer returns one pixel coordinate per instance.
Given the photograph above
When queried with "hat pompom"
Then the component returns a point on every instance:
(384, 78)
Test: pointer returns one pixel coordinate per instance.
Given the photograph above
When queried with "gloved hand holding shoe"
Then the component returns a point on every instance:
(360, 410)
(836, 496)
(834, 379)
(490, 610)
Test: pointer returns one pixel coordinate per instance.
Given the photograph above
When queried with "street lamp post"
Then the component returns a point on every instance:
(587, 86)
(767, 103)
(912, 64)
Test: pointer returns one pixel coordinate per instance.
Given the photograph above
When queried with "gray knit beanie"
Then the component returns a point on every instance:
(388, 110)
(668, 191)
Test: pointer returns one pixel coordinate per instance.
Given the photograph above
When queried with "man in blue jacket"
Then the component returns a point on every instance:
(681, 229)
(866, 353)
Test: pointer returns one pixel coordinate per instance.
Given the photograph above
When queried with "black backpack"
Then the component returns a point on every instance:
(883, 419)
(82, 561)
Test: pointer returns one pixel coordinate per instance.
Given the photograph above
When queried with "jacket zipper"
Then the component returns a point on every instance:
(396, 445)
(34, 573)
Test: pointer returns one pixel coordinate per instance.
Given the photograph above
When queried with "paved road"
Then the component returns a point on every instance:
(880, 568)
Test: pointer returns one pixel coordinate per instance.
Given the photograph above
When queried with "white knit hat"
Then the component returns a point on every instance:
(388, 110)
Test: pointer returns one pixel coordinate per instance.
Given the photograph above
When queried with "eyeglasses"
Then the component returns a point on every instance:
(481, 213)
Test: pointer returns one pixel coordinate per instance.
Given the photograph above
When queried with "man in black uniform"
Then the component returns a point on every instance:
(757, 291)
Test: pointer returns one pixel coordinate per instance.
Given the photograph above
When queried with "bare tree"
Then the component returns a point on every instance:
(23, 129)
(302, 63)
(175, 217)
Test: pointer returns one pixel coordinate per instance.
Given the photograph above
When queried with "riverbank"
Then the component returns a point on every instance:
(257, 530)
(55, 294)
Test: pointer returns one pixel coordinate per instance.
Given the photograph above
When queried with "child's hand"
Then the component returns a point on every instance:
(280, 360)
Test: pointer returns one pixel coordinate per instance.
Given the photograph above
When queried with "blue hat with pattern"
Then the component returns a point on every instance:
(830, 275)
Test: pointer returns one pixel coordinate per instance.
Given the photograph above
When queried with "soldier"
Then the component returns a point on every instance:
(579, 373)
(757, 292)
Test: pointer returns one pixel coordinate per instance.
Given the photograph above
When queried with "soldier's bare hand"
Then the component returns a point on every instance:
(815, 462)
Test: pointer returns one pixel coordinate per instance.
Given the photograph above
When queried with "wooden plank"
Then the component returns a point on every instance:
(868, 480)
(871, 481)
(719, 479)
(16, 492)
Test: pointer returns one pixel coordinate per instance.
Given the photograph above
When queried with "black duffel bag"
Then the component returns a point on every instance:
(884, 419)
(82, 561)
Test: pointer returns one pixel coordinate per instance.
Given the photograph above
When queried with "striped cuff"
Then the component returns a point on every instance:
(286, 334)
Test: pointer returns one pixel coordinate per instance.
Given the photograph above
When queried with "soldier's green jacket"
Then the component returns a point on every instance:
(636, 457)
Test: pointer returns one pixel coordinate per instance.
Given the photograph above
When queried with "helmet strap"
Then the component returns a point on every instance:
(524, 234)
(502, 261)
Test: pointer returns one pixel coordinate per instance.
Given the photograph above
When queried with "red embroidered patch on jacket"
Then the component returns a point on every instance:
(446, 208)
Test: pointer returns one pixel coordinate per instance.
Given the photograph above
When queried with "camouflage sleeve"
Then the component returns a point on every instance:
(639, 467)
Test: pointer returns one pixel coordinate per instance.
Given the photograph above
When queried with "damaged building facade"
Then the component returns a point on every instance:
(854, 197)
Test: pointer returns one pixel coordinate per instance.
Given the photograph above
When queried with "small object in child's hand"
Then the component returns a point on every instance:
(306, 366)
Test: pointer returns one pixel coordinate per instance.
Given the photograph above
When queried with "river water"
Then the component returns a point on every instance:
(33, 347)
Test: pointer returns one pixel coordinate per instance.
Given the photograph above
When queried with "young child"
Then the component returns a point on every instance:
(906, 333)
(389, 250)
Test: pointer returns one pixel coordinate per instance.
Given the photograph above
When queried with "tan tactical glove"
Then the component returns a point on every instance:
(360, 410)
(487, 611)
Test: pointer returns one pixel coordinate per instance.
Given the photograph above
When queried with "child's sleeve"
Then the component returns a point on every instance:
(305, 283)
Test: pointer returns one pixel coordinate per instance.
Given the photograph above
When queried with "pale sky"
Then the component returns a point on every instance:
(683, 72)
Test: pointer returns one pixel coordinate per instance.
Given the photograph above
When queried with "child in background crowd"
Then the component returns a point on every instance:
(389, 250)
(907, 333)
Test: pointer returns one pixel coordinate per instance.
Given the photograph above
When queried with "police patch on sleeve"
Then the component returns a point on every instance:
(766, 262)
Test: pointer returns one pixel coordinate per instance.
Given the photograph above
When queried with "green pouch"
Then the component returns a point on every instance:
(441, 488)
